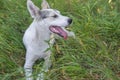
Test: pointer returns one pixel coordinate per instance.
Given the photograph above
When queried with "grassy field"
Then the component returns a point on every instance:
(93, 55)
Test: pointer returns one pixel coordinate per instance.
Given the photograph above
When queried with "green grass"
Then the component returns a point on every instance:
(93, 55)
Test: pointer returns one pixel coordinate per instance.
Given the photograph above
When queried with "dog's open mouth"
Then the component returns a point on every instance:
(58, 30)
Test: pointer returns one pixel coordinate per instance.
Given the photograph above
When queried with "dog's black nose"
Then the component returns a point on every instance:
(69, 21)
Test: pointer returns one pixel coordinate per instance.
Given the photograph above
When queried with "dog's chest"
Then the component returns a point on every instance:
(36, 38)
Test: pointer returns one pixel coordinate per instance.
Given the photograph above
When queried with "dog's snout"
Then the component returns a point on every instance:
(69, 21)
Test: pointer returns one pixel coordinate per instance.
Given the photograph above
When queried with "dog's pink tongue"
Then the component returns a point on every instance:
(58, 30)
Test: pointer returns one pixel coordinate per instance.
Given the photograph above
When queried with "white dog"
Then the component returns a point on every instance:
(46, 23)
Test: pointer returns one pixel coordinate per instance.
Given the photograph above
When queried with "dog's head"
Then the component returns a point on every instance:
(51, 17)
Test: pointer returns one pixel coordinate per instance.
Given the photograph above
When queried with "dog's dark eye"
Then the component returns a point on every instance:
(43, 17)
(55, 16)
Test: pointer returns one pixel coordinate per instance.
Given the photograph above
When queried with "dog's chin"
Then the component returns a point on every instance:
(58, 30)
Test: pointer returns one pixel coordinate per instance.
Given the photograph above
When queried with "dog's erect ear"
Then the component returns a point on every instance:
(45, 5)
(34, 10)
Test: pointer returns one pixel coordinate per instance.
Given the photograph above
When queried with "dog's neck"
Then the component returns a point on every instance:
(41, 30)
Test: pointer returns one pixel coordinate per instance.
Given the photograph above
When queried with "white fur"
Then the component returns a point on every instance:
(36, 36)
